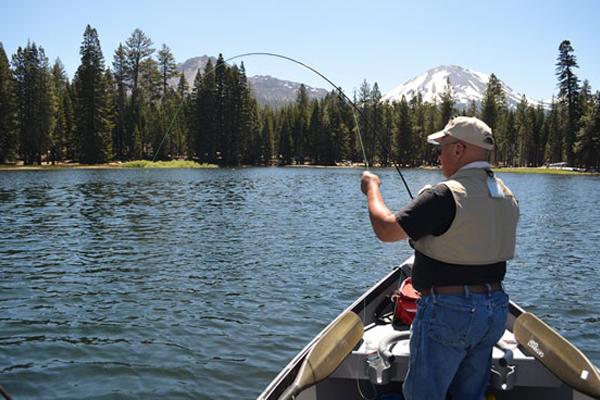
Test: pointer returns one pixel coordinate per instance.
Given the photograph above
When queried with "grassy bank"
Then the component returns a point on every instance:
(112, 165)
(543, 170)
(166, 164)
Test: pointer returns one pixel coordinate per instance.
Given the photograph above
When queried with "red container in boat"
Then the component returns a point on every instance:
(405, 302)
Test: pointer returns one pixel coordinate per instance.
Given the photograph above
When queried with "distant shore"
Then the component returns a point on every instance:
(186, 164)
(544, 170)
(173, 164)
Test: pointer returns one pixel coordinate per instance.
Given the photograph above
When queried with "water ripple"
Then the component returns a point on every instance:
(204, 284)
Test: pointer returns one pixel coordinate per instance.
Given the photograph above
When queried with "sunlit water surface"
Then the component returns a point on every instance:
(203, 284)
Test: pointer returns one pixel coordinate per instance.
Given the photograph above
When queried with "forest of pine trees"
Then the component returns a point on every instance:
(130, 110)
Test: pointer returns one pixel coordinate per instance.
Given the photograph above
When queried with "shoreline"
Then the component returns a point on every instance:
(140, 164)
(143, 164)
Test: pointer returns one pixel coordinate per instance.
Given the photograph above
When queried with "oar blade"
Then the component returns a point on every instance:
(566, 361)
(328, 352)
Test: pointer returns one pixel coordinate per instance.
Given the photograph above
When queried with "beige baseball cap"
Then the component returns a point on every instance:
(467, 129)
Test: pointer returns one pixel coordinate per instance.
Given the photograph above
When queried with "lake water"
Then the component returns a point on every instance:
(203, 284)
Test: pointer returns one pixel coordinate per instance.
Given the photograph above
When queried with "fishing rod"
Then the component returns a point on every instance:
(340, 93)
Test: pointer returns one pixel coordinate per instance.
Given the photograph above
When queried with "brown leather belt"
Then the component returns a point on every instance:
(461, 289)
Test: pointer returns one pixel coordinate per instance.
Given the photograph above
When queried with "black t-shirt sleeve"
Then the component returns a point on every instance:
(431, 213)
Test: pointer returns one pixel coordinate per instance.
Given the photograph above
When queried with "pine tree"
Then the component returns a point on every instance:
(446, 105)
(220, 108)
(523, 127)
(182, 86)
(367, 134)
(403, 132)
(299, 130)
(93, 106)
(322, 147)
(202, 118)
(284, 150)
(121, 143)
(537, 116)
(250, 122)
(345, 138)
(376, 124)
(568, 94)
(149, 82)
(266, 149)
(60, 128)
(493, 102)
(431, 126)
(138, 47)
(154, 120)
(554, 144)
(386, 134)
(8, 126)
(421, 151)
(71, 139)
(587, 146)
(182, 100)
(32, 78)
(167, 67)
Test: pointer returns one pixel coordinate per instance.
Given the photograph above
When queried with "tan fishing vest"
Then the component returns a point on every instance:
(484, 228)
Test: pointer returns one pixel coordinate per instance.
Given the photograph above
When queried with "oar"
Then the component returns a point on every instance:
(566, 361)
(327, 353)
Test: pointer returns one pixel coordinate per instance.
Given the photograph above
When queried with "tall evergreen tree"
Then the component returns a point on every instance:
(420, 147)
(202, 118)
(524, 131)
(32, 78)
(138, 47)
(220, 108)
(446, 104)
(300, 126)
(121, 142)
(266, 150)
(587, 146)
(554, 145)
(182, 86)
(493, 102)
(284, 149)
(93, 106)
(537, 116)
(403, 133)
(167, 67)
(180, 107)
(568, 94)
(250, 123)
(8, 126)
(386, 135)
(320, 140)
(431, 126)
(365, 134)
(60, 127)
(376, 125)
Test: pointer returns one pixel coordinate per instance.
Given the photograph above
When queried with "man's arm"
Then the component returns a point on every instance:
(383, 220)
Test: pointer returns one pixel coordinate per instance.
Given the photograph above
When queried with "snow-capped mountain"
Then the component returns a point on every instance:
(267, 89)
(467, 85)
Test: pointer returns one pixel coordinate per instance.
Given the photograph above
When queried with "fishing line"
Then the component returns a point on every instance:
(340, 93)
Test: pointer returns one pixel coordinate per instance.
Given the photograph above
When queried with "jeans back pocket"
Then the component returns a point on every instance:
(450, 323)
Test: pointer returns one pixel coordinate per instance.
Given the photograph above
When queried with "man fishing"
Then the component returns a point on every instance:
(463, 231)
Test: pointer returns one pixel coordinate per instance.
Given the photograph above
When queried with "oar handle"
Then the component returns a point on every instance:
(290, 392)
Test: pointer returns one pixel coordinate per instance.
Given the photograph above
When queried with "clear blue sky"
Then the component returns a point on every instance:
(387, 42)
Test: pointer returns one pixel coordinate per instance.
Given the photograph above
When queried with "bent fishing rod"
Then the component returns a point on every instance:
(340, 93)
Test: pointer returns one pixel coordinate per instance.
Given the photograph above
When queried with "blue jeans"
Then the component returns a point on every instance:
(451, 343)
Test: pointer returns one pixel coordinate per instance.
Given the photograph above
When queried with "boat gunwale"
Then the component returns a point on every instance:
(286, 376)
